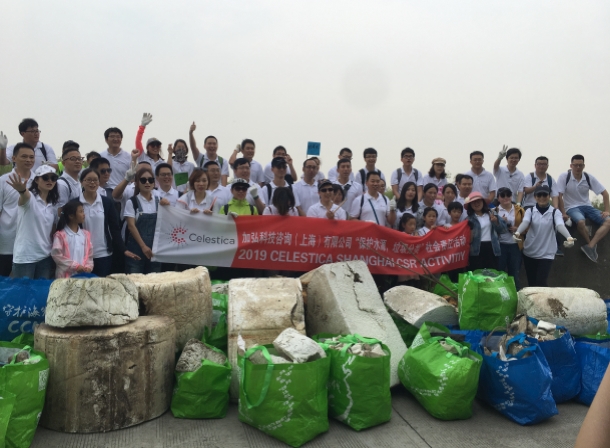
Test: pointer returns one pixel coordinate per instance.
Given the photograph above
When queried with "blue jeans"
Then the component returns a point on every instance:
(586, 211)
(510, 261)
(143, 266)
(44, 268)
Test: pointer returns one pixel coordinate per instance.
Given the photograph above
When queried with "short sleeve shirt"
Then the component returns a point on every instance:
(9, 210)
(119, 163)
(541, 242)
(33, 241)
(484, 182)
(307, 194)
(529, 200)
(224, 166)
(351, 190)
(256, 172)
(318, 210)
(433, 180)
(146, 206)
(372, 209)
(94, 223)
(333, 175)
(68, 188)
(513, 181)
(38, 155)
(576, 193)
(406, 177)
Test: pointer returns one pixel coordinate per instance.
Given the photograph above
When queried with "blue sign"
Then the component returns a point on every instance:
(313, 148)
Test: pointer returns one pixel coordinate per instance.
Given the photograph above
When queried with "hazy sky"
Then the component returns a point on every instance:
(443, 77)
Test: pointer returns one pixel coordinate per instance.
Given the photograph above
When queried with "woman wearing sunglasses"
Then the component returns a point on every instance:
(36, 222)
(141, 215)
(512, 215)
(541, 222)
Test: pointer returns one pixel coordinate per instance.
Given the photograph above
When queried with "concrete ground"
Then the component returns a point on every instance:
(410, 426)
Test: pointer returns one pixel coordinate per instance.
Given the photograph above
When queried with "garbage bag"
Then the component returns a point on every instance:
(594, 355)
(520, 389)
(217, 335)
(441, 290)
(23, 302)
(487, 299)
(203, 393)
(286, 401)
(27, 380)
(358, 387)
(406, 330)
(440, 373)
(7, 402)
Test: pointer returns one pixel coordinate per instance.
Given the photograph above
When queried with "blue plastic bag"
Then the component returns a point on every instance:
(23, 302)
(519, 389)
(473, 337)
(594, 357)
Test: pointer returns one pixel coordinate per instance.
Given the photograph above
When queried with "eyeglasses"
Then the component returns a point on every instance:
(34, 131)
(150, 180)
(106, 171)
(91, 181)
(326, 190)
(47, 177)
(165, 175)
(542, 195)
(74, 159)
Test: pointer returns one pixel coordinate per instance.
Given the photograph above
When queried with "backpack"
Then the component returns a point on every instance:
(219, 159)
(362, 203)
(69, 188)
(43, 150)
(550, 179)
(586, 177)
(363, 176)
(399, 175)
(136, 206)
(226, 209)
(270, 191)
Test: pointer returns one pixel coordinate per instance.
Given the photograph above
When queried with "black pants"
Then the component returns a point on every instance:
(6, 265)
(485, 259)
(537, 270)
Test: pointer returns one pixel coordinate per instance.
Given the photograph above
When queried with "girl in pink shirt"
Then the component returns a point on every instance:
(72, 249)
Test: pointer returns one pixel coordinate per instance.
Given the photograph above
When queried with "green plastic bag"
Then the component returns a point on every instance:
(7, 402)
(444, 383)
(286, 401)
(358, 387)
(217, 336)
(406, 330)
(486, 301)
(25, 339)
(441, 290)
(203, 393)
(28, 382)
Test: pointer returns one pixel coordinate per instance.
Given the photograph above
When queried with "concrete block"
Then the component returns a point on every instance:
(298, 348)
(342, 298)
(194, 353)
(416, 306)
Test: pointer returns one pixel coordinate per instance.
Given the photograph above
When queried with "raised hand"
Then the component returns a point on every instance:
(146, 119)
(193, 127)
(3, 141)
(502, 153)
(16, 182)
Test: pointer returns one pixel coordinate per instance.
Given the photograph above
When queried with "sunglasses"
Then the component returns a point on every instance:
(325, 190)
(47, 177)
(106, 171)
(505, 195)
(240, 188)
(542, 195)
(150, 180)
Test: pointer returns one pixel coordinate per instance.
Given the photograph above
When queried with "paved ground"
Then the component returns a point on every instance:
(410, 427)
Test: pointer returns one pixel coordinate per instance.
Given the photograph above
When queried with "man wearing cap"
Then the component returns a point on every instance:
(68, 184)
(239, 206)
(482, 180)
(407, 173)
(307, 188)
(325, 208)
(280, 151)
(278, 167)
(120, 160)
(210, 144)
(241, 168)
(28, 129)
(510, 176)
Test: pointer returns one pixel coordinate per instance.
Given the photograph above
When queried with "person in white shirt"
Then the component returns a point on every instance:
(35, 224)
(279, 167)
(280, 151)
(28, 129)
(210, 144)
(510, 256)
(450, 195)
(182, 168)
(198, 199)
(217, 191)
(374, 206)
(510, 176)
(241, 168)
(541, 222)
(345, 153)
(120, 160)
(482, 180)
(72, 250)
(165, 177)
(325, 208)
(429, 200)
(350, 188)
(370, 161)
(153, 153)
(430, 216)
(68, 185)
(537, 178)
(283, 203)
(102, 167)
(23, 158)
(247, 148)
(574, 203)
(437, 174)
(464, 185)
(306, 190)
(407, 173)
(407, 203)
(125, 189)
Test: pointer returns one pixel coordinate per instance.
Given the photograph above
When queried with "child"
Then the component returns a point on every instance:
(72, 249)
(455, 210)
(408, 224)
(430, 215)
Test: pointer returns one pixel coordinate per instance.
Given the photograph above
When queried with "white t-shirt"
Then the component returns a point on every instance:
(407, 178)
(146, 158)
(576, 193)
(423, 231)
(145, 206)
(171, 195)
(319, 211)
(433, 180)
(507, 237)
(179, 168)
(203, 159)
(33, 241)
(38, 156)
(119, 164)
(529, 199)
(69, 189)
(361, 178)
(442, 215)
(307, 194)
(94, 223)
(256, 172)
(408, 211)
(541, 242)
(267, 198)
(269, 173)
(222, 194)
(9, 211)
(352, 192)
(188, 202)
(76, 244)
(271, 210)
(376, 210)
(514, 181)
(485, 226)
(484, 183)
(333, 175)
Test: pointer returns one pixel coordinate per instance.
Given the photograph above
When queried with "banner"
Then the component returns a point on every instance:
(289, 243)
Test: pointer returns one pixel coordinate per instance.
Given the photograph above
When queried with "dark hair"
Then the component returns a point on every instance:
(430, 185)
(372, 173)
(207, 138)
(163, 165)
(458, 178)
(108, 131)
(145, 162)
(70, 149)
(476, 153)
(345, 150)
(432, 173)
(339, 188)
(27, 123)
(139, 174)
(485, 208)
(315, 159)
(451, 187)
(84, 173)
(512, 151)
(455, 206)
(239, 162)
(245, 141)
(95, 163)
(428, 210)
(195, 175)
(541, 158)
(69, 209)
(283, 200)
(368, 151)
(407, 151)
(210, 163)
(95, 155)
(401, 204)
(179, 140)
(504, 190)
(19, 146)
(343, 161)
(466, 176)
(404, 219)
(278, 148)
(577, 157)
(52, 197)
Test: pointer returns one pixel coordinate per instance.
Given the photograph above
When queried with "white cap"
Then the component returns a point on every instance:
(44, 169)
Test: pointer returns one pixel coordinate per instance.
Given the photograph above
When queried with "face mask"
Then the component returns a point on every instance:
(180, 155)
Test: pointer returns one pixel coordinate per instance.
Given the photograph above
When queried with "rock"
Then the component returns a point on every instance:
(580, 310)
(416, 306)
(258, 358)
(298, 348)
(221, 288)
(102, 379)
(259, 310)
(342, 298)
(194, 353)
(184, 296)
(75, 302)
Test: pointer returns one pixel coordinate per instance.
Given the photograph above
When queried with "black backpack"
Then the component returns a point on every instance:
(570, 175)
(226, 209)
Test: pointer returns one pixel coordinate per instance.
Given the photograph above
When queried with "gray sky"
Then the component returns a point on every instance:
(443, 77)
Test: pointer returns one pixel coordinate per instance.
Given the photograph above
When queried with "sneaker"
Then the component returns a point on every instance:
(590, 253)
(559, 253)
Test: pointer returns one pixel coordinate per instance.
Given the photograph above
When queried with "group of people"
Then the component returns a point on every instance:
(59, 218)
